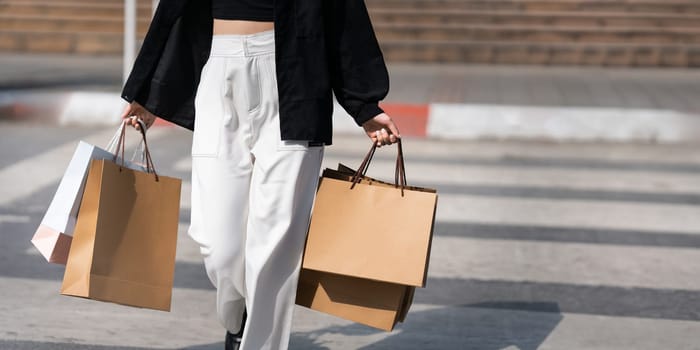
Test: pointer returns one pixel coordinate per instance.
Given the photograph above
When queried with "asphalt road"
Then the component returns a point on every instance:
(537, 246)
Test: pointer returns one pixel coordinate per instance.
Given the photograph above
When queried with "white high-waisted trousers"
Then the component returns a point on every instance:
(251, 192)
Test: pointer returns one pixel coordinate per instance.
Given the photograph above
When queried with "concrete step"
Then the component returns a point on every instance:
(535, 34)
(50, 9)
(608, 32)
(83, 2)
(632, 6)
(69, 24)
(61, 42)
(550, 18)
(521, 52)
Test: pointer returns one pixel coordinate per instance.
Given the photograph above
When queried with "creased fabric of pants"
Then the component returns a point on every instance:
(251, 192)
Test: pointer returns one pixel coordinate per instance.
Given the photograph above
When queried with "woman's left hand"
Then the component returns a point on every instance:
(382, 130)
(135, 109)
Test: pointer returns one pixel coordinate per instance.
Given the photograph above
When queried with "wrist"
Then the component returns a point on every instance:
(368, 112)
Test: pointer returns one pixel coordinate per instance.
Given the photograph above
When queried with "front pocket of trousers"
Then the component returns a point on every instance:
(209, 109)
(206, 136)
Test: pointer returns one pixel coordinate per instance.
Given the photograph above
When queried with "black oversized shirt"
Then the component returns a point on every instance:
(321, 47)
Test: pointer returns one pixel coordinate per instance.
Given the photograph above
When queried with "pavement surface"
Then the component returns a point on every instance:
(446, 101)
(537, 245)
(667, 88)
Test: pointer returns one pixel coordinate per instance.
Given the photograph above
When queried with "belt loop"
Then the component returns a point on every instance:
(245, 46)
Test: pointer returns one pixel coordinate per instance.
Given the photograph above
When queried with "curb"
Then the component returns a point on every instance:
(563, 123)
(503, 122)
(434, 121)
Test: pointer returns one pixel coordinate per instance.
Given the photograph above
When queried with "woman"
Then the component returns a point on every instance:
(259, 76)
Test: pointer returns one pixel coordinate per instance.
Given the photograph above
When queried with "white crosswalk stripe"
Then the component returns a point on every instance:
(570, 213)
(424, 172)
(14, 218)
(48, 167)
(571, 263)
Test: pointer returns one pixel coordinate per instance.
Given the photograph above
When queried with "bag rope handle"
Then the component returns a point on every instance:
(121, 146)
(399, 172)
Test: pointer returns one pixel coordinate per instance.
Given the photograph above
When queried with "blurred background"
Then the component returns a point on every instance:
(562, 136)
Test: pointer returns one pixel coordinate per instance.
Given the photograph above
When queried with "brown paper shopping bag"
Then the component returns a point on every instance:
(370, 230)
(373, 302)
(123, 247)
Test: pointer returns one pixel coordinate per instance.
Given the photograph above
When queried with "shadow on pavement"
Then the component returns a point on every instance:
(35, 345)
(484, 326)
(296, 343)
(212, 346)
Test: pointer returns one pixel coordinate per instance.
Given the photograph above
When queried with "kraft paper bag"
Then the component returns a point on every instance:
(373, 303)
(376, 304)
(53, 236)
(370, 230)
(123, 248)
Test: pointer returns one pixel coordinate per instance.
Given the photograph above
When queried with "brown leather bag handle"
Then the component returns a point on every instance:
(399, 173)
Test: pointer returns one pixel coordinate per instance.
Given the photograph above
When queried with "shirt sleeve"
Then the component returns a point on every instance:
(359, 76)
(141, 73)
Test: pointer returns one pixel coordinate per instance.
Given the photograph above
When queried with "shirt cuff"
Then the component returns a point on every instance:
(367, 112)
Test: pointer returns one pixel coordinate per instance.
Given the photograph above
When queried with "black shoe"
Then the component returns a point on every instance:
(233, 341)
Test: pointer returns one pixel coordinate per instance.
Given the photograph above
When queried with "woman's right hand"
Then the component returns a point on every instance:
(382, 130)
(135, 109)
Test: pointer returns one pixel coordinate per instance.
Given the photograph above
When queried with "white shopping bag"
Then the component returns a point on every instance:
(54, 235)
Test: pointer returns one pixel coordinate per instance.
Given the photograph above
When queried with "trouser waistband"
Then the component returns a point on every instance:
(243, 44)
